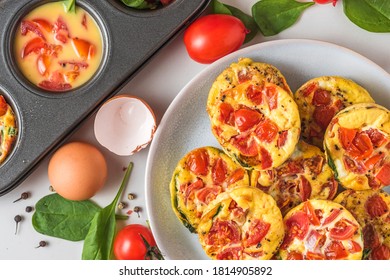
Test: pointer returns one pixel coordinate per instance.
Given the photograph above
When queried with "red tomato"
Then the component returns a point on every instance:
(3, 106)
(213, 36)
(336, 251)
(326, 2)
(376, 206)
(267, 130)
(34, 45)
(343, 230)
(219, 172)
(310, 212)
(380, 253)
(198, 162)
(246, 118)
(384, 174)
(293, 255)
(128, 243)
(258, 229)
(321, 97)
(222, 233)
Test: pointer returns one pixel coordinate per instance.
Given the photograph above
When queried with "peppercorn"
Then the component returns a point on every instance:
(137, 209)
(23, 196)
(29, 209)
(42, 244)
(131, 196)
(17, 219)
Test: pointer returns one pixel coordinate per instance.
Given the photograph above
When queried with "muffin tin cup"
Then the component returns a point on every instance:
(45, 119)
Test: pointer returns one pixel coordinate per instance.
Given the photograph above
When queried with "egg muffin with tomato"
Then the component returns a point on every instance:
(321, 230)
(8, 129)
(198, 178)
(319, 99)
(256, 122)
(305, 175)
(357, 144)
(241, 224)
(371, 210)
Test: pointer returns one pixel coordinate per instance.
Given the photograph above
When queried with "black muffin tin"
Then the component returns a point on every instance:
(45, 119)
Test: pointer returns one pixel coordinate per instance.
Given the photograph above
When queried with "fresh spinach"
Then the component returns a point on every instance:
(62, 218)
(70, 5)
(371, 15)
(247, 20)
(274, 16)
(99, 241)
(140, 4)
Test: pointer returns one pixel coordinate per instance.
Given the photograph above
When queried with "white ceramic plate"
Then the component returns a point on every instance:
(186, 125)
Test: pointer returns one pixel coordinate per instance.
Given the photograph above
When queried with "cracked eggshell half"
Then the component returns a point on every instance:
(125, 124)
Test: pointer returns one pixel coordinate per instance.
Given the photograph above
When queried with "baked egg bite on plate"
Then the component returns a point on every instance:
(8, 130)
(240, 224)
(371, 210)
(198, 178)
(321, 230)
(256, 123)
(357, 143)
(305, 175)
(319, 99)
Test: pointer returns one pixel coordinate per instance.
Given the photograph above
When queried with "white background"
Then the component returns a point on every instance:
(158, 84)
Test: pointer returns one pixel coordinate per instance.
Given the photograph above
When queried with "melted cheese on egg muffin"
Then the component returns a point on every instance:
(321, 230)
(241, 224)
(319, 99)
(257, 125)
(198, 178)
(305, 175)
(357, 144)
(372, 210)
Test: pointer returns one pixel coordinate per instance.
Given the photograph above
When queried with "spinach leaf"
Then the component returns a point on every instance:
(140, 4)
(70, 5)
(99, 240)
(274, 16)
(62, 218)
(247, 20)
(371, 15)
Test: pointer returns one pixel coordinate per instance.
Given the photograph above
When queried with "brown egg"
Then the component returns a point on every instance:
(77, 171)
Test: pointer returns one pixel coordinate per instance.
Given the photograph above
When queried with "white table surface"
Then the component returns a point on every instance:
(158, 84)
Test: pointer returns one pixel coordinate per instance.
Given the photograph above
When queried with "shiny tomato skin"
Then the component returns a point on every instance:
(213, 36)
(326, 2)
(128, 244)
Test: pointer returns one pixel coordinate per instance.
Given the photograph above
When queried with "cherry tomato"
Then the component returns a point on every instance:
(246, 118)
(213, 36)
(128, 243)
(326, 2)
(198, 162)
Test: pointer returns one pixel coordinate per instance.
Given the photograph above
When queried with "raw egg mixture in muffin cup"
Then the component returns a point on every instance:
(58, 50)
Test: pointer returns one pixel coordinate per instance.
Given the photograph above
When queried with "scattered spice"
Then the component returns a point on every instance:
(23, 196)
(131, 196)
(29, 209)
(137, 209)
(51, 189)
(42, 244)
(17, 219)
(122, 205)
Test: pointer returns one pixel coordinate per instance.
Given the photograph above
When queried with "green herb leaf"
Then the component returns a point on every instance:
(371, 15)
(274, 16)
(100, 238)
(247, 20)
(140, 4)
(70, 6)
(62, 218)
